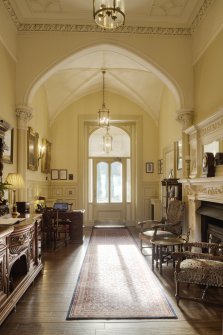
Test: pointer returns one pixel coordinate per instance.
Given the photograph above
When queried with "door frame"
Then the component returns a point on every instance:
(133, 125)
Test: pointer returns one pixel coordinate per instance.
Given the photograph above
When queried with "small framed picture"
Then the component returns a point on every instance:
(54, 174)
(70, 176)
(160, 166)
(149, 167)
(63, 174)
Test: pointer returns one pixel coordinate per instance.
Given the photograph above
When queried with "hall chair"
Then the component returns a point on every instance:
(200, 263)
(171, 226)
(53, 228)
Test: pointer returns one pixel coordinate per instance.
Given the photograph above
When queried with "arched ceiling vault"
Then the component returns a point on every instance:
(126, 75)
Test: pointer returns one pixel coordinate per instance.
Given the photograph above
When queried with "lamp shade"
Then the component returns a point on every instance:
(15, 180)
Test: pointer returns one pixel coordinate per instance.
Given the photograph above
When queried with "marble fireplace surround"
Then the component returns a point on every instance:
(196, 188)
(197, 191)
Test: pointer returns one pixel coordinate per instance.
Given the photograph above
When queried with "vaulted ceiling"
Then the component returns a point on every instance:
(82, 75)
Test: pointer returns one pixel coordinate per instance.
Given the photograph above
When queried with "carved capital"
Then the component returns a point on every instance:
(24, 115)
(185, 117)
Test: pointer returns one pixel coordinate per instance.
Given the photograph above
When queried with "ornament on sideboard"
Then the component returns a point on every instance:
(219, 158)
(208, 165)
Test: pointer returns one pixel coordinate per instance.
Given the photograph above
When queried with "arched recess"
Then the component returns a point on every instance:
(82, 145)
(141, 60)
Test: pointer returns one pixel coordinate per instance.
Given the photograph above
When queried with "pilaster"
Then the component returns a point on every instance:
(185, 117)
(24, 115)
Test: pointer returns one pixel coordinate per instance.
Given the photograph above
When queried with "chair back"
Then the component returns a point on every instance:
(175, 215)
(50, 219)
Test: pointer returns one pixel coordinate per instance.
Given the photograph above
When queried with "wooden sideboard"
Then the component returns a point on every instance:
(20, 260)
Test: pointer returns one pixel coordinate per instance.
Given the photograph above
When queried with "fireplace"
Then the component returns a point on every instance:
(211, 222)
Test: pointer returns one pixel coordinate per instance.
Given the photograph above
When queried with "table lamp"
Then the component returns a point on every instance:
(16, 182)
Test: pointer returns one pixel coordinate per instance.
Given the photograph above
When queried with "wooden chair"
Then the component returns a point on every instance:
(172, 226)
(53, 227)
(203, 266)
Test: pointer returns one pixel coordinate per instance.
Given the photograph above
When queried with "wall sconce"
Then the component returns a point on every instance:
(15, 181)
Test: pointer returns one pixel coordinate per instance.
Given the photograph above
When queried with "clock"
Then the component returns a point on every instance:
(208, 165)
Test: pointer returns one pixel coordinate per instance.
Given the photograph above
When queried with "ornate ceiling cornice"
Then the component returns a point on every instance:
(166, 31)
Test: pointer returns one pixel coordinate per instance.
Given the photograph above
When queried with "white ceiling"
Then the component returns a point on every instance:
(138, 12)
(81, 75)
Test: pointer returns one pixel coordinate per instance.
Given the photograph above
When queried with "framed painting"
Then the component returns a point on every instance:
(46, 158)
(149, 167)
(32, 149)
(160, 166)
(54, 174)
(63, 174)
(8, 150)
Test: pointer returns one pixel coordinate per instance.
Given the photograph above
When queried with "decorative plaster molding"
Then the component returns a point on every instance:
(211, 189)
(166, 31)
(95, 29)
(24, 115)
(185, 116)
(201, 15)
(212, 128)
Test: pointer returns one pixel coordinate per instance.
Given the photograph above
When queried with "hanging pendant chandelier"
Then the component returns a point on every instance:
(103, 113)
(107, 142)
(109, 14)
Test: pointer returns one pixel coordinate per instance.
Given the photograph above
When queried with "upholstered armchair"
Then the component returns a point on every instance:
(172, 226)
(201, 264)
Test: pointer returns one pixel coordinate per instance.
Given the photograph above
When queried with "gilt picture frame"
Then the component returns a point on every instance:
(8, 150)
(160, 166)
(32, 149)
(46, 159)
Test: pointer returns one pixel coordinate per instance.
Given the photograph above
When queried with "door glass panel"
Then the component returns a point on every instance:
(102, 183)
(116, 182)
(90, 178)
(128, 181)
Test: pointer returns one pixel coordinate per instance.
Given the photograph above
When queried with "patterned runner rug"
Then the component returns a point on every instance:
(115, 281)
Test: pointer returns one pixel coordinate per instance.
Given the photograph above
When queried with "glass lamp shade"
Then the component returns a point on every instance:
(15, 181)
(107, 142)
(109, 14)
(103, 117)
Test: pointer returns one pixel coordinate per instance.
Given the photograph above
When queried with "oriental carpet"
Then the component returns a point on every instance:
(115, 282)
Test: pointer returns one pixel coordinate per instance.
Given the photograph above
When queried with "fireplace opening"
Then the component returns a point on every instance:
(18, 272)
(211, 222)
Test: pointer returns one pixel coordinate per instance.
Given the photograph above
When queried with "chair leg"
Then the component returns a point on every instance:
(177, 294)
(204, 292)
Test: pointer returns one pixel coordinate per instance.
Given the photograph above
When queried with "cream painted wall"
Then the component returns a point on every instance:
(150, 139)
(64, 130)
(169, 128)
(40, 124)
(7, 99)
(207, 30)
(170, 55)
(8, 32)
(208, 74)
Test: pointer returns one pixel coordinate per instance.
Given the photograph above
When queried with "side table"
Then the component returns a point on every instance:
(159, 247)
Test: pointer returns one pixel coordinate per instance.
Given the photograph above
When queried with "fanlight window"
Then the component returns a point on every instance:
(120, 143)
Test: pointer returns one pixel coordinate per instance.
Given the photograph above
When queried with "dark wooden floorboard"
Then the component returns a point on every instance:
(43, 308)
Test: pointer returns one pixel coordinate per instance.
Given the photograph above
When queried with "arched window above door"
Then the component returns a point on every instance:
(120, 143)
